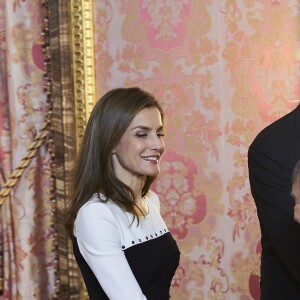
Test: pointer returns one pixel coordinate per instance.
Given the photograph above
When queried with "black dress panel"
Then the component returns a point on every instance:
(153, 263)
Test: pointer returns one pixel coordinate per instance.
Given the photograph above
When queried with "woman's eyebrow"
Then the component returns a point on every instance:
(147, 128)
(141, 127)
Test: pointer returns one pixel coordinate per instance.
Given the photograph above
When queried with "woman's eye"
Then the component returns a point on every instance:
(141, 134)
(160, 134)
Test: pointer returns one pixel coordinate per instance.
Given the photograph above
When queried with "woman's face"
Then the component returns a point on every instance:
(139, 150)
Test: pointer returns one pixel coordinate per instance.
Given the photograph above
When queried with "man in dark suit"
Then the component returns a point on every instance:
(272, 157)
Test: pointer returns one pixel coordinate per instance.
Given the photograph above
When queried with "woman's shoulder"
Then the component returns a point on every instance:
(98, 206)
(97, 213)
(153, 199)
(152, 195)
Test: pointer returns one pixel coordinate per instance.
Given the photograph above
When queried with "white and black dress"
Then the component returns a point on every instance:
(120, 260)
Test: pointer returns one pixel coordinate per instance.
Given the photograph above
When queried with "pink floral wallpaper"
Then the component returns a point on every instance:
(222, 71)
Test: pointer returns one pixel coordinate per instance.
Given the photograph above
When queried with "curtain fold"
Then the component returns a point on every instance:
(27, 214)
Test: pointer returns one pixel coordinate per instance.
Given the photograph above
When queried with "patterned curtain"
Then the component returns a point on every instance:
(28, 259)
(222, 70)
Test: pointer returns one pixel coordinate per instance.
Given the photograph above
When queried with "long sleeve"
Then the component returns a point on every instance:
(99, 242)
(270, 174)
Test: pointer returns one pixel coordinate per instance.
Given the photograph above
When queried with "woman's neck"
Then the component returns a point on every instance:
(136, 184)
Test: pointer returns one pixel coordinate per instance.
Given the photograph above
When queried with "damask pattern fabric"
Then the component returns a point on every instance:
(27, 231)
(222, 71)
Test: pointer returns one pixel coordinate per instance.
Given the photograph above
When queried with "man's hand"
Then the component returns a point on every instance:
(297, 212)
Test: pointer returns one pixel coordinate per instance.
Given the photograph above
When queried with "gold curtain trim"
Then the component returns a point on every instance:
(25, 161)
(83, 72)
(83, 63)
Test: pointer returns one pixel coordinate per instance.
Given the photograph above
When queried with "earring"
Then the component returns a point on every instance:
(114, 152)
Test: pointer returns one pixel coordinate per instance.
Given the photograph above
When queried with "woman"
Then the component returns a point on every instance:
(121, 243)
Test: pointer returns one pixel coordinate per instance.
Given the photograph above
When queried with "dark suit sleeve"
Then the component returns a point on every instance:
(270, 176)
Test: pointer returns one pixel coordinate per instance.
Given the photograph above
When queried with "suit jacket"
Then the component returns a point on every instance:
(271, 158)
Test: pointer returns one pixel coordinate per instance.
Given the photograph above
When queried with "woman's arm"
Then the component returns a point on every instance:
(99, 242)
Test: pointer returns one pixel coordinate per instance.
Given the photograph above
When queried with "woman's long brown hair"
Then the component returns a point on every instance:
(94, 171)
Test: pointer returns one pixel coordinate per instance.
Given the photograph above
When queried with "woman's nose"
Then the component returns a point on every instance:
(157, 143)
